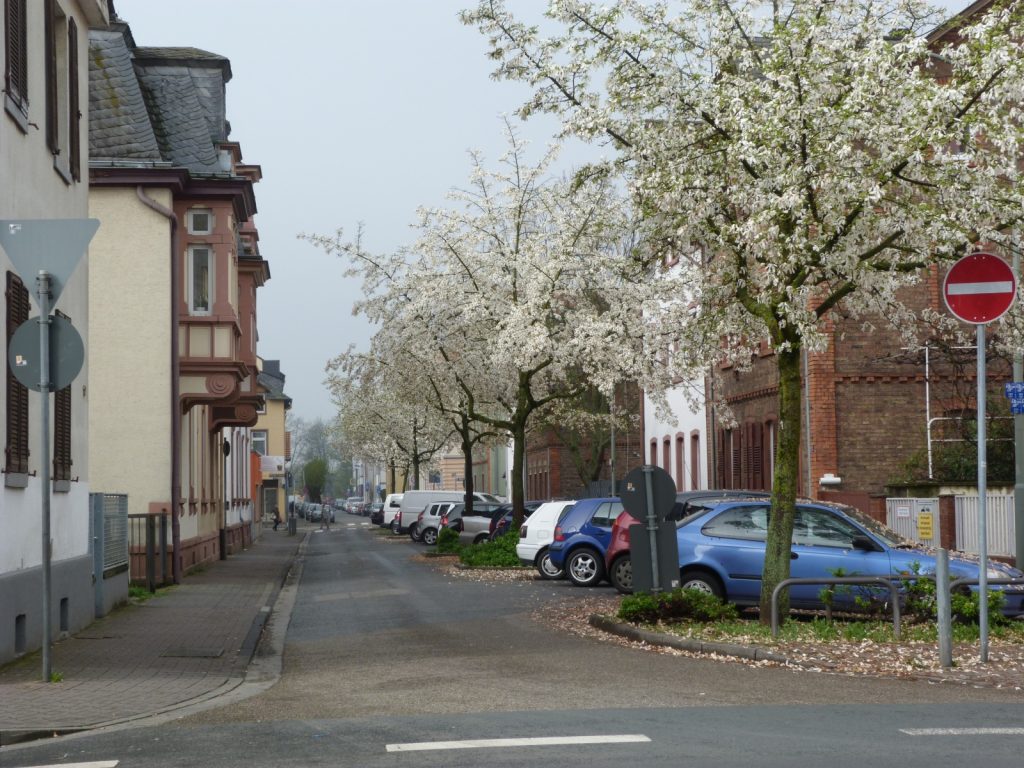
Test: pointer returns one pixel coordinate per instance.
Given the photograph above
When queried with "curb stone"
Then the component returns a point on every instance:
(631, 632)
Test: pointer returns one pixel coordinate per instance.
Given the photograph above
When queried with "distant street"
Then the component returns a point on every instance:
(385, 656)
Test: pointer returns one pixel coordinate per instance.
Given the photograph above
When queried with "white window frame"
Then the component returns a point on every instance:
(210, 283)
(190, 222)
(259, 436)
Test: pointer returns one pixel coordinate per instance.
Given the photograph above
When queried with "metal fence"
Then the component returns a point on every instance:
(109, 513)
(914, 519)
(999, 524)
(150, 561)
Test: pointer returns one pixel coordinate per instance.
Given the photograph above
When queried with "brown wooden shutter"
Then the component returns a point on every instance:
(16, 448)
(62, 434)
(736, 481)
(50, 48)
(62, 428)
(74, 104)
(757, 457)
(720, 459)
(16, 60)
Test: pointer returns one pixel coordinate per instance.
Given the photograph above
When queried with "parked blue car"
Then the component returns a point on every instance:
(581, 539)
(722, 552)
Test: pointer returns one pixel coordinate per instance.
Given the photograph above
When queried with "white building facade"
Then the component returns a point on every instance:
(44, 172)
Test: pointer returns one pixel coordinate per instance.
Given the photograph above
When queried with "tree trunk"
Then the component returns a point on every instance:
(518, 459)
(467, 466)
(778, 548)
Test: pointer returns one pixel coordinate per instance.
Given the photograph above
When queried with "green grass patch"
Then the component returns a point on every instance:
(500, 553)
(448, 542)
(139, 594)
(693, 615)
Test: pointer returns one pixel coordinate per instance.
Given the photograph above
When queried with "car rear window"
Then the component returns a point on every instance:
(606, 513)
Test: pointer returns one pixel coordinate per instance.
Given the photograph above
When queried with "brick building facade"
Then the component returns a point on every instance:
(870, 399)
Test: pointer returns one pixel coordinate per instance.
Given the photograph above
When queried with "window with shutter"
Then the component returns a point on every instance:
(62, 434)
(16, 448)
(74, 104)
(695, 482)
(62, 430)
(50, 46)
(16, 56)
(680, 474)
(757, 457)
(720, 458)
(736, 439)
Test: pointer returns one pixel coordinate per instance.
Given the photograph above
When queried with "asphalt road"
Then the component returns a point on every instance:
(384, 651)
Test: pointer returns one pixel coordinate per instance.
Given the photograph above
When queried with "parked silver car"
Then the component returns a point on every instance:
(476, 528)
(429, 523)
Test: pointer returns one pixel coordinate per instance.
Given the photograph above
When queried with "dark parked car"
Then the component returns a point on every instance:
(617, 560)
(377, 513)
(581, 539)
(501, 524)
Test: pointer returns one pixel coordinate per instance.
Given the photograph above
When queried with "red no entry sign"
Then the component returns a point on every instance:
(979, 288)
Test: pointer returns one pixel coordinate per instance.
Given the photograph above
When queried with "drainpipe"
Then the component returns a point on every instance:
(175, 394)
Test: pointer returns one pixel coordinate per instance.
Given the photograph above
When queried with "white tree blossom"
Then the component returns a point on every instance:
(504, 299)
(794, 156)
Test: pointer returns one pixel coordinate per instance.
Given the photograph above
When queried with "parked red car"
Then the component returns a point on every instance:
(617, 560)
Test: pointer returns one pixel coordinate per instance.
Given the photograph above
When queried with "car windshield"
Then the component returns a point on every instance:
(888, 536)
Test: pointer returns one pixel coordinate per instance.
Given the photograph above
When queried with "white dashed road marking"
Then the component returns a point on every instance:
(100, 764)
(963, 731)
(542, 741)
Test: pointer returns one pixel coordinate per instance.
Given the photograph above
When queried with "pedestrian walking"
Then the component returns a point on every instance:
(325, 518)
(277, 518)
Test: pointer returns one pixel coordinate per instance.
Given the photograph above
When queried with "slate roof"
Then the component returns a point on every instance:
(119, 125)
(156, 105)
(271, 379)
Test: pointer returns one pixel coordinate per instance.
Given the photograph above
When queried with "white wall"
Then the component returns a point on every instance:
(682, 421)
(32, 189)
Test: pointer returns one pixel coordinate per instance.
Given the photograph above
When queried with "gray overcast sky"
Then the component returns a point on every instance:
(357, 110)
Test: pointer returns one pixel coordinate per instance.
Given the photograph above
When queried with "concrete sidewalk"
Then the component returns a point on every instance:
(189, 643)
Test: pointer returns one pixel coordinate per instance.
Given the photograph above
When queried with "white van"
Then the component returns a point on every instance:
(414, 502)
(537, 532)
(392, 503)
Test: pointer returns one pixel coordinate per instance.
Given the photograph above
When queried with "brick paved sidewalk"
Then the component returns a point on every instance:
(189, 642)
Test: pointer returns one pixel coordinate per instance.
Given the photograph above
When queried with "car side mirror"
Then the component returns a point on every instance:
(865, 543)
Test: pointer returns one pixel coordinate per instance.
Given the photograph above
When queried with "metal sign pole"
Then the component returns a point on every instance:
(982, 491)
(1018, 433)
(43, 293)
(652, 528)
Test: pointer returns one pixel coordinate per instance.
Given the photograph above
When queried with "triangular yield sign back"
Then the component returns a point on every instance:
(53, 245)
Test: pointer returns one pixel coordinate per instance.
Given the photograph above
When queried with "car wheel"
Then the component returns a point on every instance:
(414, 532)
(546, 568)
(584, 568)
(429, 536)
(395, 527)
(703, 582)
(481, 538)
(621, 575)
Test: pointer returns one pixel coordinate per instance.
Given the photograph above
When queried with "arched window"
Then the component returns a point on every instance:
(680, 474)
(695, 482)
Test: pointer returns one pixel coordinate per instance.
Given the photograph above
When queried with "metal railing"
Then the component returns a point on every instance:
(150, 563)
(882, 580)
